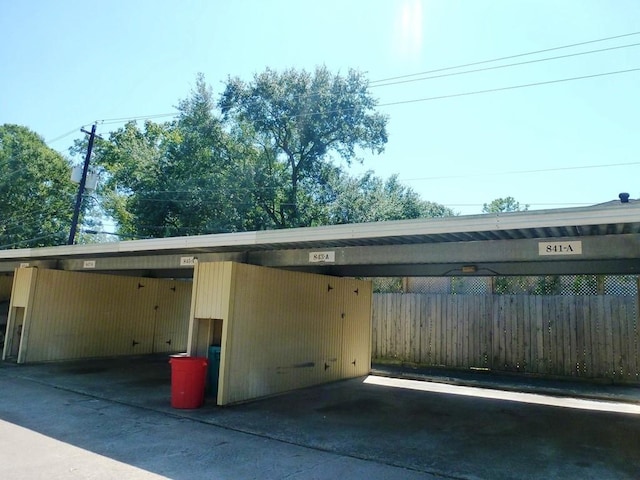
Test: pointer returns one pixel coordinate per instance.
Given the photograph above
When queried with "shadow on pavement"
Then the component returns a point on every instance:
(424, 432)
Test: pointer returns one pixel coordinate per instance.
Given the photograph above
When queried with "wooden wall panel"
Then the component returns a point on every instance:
(81, 315)
(212, 290)
(570, 336)
(285, 330)
(22, 286)
(172, 316)
(357, 328)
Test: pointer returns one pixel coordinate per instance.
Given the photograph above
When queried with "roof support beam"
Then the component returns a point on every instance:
(527, 253)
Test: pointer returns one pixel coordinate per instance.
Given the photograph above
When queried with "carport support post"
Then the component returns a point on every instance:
(83, 181)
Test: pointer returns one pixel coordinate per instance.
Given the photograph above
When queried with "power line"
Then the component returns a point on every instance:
(476, 92)
(519, 172)
(150, 195)
(111, 121)
(505, 58)
(500, 89)
(28, 240)
(14, 224)
(64, 135)
(504, 66)
(390, 83)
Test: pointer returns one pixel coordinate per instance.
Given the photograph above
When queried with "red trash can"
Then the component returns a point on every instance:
(188, 380)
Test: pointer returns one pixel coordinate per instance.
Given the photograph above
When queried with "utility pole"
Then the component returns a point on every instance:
(83, 181)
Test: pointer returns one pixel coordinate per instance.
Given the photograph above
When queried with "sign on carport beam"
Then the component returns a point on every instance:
(187, 261)
(560, 248)
(322, 257)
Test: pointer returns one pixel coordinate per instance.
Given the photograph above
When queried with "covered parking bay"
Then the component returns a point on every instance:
(278, 330)
(594, 240)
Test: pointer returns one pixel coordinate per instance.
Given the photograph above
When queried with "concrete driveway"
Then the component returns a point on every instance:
(369, 427)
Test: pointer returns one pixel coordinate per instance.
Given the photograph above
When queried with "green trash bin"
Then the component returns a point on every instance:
(214, 370)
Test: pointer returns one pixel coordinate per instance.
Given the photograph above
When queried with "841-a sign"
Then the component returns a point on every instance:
(560, 248)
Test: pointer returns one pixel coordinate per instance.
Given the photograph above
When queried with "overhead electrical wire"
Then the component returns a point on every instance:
(64, 135)
(505, 58)
(20, 223)
(9, 245)
(477, 92)
(520, 172)
(504, 66)
(111, 121)
(161, 193)
(512, 87)
(12, 225)
(403, 79)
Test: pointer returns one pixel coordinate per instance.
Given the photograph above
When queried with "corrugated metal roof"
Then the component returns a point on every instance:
(608, 219)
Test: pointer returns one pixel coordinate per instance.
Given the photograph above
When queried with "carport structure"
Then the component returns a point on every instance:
(603, 239)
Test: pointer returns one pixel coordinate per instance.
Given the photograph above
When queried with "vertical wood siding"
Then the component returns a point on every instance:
(356, 328)
(81, 315)
(285, 330)
(172, 316)
(211, 290)
(23, 280)
(571, 336)
(17, 330)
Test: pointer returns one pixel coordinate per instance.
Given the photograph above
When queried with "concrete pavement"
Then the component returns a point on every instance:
(101, 418)
(55, 434)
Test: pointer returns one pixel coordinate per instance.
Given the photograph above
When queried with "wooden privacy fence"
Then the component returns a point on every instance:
(576, 336)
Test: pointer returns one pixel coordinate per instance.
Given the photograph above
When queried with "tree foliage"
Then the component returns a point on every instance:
(371, 199)
(260, 157)
(177, 178)
(296, 120)
(36, 192)
(507, 204)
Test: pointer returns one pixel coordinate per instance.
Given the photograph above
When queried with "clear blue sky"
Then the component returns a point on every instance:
(65, 64)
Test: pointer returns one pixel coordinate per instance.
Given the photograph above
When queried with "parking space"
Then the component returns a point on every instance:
(463, 429)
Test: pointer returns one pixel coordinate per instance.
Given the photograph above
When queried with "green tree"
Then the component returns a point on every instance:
(297, 120)
(36, 192)
(176, 178)
(199, 174)
(370, 199)
(507, 204)
(132, 159)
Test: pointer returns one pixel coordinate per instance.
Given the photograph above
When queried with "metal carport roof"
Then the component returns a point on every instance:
(608, 237)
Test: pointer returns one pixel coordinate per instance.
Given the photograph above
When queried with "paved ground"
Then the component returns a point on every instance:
(112, 419)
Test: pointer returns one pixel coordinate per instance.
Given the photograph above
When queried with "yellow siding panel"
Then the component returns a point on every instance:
(79, 315)
(211, 290)
(172, 316)
(17, 331)
(356, 346)
(22, 286)
(288, 330)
